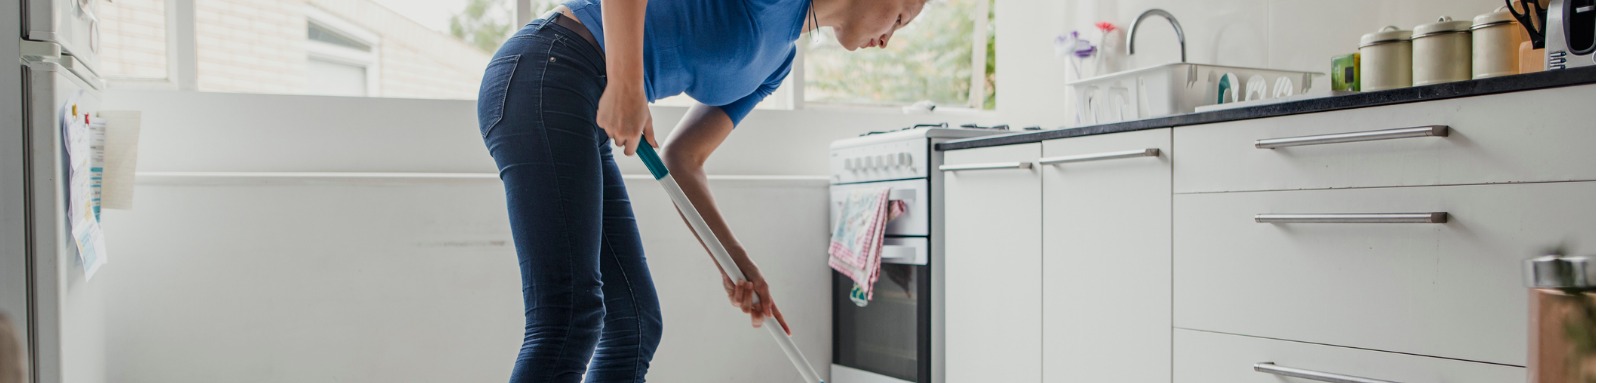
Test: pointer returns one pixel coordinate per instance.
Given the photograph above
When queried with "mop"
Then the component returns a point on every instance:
(658, 169)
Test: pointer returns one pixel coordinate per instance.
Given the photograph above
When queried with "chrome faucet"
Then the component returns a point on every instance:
(1183, 47)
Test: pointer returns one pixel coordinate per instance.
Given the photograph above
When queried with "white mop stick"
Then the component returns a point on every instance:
(658, 169)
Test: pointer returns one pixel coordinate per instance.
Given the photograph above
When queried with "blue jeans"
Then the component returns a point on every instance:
(590, 304)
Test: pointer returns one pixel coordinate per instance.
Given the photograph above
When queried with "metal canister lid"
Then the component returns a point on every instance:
(1444, 25)
(1500, 15)
(1559, 272)
(1387, 34)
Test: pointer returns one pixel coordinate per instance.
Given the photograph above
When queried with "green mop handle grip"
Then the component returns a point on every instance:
(647, 153)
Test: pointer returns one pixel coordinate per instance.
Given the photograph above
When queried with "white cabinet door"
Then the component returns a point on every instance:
(1108, 258)
(991, 265)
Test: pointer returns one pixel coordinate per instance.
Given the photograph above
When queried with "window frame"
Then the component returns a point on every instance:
(182, 60)
(346, 55)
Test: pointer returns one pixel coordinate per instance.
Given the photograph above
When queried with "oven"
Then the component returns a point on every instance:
(896, 337)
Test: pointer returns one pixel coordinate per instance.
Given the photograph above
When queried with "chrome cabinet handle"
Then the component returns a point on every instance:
(1273, 368)
(1151, 152)
(1438, 217)
(1371, 135)
(987, 166)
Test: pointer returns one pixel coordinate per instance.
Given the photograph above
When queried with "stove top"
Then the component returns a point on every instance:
(946, 126)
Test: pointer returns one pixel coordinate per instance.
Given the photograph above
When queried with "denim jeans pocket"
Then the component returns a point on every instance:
(492, 93)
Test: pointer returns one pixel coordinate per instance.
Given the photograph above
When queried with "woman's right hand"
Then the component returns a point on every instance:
(625, 116)
(739, 295)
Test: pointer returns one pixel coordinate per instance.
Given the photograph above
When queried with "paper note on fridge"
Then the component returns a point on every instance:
(121, 158)
(83, 143)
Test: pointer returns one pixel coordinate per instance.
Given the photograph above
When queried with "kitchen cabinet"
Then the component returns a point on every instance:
(1107, 257)
(1195, 253)
(991, 265)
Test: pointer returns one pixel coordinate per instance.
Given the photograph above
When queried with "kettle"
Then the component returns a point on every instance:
(1569, 34)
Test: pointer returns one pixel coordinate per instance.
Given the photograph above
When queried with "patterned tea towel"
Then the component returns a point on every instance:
(857, 246)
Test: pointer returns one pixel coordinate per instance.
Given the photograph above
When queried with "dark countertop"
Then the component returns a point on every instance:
(1513, 83)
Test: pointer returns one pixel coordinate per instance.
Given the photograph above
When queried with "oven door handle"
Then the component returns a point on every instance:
(899, 254)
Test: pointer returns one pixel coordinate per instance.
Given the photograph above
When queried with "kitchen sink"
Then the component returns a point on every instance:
(1178, 88)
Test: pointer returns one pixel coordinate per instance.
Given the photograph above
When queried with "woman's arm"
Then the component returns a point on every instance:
(623, 111)
(700, 132)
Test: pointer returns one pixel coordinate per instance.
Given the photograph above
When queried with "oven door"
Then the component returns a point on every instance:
(888, 340)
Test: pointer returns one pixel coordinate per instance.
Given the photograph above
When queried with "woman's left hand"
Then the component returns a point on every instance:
(739, 295)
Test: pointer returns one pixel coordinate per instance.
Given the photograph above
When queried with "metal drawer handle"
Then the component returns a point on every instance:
(1438, 217)
(1151, 152)
(987, 166)
(1272, 368)
(1372, 135)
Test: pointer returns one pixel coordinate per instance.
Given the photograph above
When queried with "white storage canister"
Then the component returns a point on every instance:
(1496, 38)
(1441, 52)
(1385, 59)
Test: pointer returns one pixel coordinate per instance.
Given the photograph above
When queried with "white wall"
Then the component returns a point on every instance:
(209, 132)
(1306, 34)
(244, 279)
(1279, 34)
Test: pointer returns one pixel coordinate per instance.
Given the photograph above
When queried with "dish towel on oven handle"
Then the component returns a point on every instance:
(856, 249)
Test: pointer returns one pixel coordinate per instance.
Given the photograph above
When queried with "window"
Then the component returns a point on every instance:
(946, 56)
(379, 48)
(340, 58)
(133, 41)
(438, 48)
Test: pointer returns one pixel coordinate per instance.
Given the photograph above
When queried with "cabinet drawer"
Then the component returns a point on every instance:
(1450, 289)
(1517, 137)
(1205, 357)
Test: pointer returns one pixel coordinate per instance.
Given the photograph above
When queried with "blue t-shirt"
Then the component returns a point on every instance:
(726, 53)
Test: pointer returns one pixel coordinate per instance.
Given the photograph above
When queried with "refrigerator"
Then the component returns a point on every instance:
(49, 77)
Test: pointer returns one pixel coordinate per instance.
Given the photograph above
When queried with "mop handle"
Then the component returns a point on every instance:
(658, 169)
